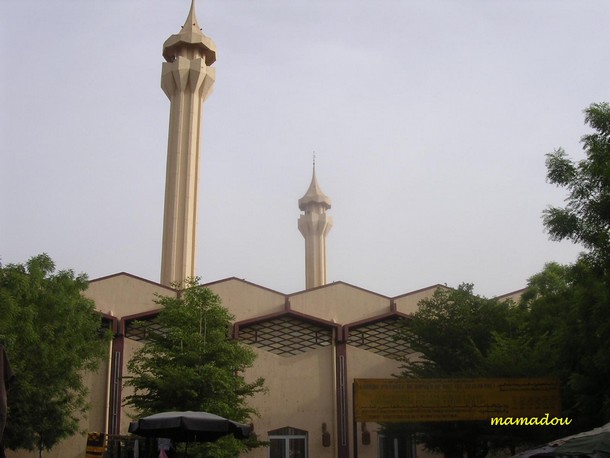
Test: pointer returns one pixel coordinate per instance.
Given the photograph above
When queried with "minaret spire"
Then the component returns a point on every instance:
(191, 23)
(187, 79)
(315, 224)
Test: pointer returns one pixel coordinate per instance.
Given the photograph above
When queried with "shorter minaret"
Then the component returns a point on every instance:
(314, 224)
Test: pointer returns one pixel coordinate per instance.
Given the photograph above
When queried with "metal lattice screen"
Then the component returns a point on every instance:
(381, 338)
(286, 336)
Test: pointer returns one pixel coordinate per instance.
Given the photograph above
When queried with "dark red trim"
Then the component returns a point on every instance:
(116, 377)
(342, 386)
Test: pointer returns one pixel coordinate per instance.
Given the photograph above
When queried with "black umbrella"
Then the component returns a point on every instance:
(188, 427)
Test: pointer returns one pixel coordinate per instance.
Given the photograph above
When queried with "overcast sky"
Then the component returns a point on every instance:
(430, 121)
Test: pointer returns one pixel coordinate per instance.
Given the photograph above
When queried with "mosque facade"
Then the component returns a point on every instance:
(310, 345)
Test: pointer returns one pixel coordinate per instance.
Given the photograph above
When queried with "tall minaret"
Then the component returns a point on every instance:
(314, 224)
(187, 80)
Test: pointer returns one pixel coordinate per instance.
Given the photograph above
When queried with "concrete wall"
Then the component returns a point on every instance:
(124, 294)
(300, 395)
(340, 303)
(246, 300)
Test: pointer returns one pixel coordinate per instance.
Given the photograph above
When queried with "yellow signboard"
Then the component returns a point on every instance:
(421, 400)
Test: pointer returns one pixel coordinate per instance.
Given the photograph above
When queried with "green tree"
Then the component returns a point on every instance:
(193, 364)
(534, 344)
(586, 217)
(52, 336)
(452, 333)
(563, 324)
(584, 306)
(567, 310)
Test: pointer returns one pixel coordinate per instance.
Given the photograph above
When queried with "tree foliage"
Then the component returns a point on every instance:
(458, 334)
(452, 331)
(453, 334)
(580, 311)
(192, 364)
(586, 217)
(52, 336)
(567, 311)
(532, 346)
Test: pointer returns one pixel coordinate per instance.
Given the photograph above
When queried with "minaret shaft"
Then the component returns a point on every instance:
(315, 227)
(187, 80)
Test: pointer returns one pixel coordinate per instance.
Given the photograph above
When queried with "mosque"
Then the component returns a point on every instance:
(310, 344)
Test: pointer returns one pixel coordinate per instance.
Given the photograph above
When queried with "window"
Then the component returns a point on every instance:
(288, 443)
(396, 447)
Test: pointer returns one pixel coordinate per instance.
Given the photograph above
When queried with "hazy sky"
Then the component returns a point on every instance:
(430, 121)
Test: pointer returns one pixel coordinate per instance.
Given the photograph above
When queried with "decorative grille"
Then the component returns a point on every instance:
(139, 329)
(285, 336)
(380, 338)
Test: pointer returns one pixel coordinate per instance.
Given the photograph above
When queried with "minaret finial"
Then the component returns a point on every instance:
(191, 23)
(314, 162)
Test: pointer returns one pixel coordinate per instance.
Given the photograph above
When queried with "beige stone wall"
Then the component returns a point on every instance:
(123, 294)
(300, 395)
(514, 296)
(340, 303)
(127, 414)
(246, 300)
(407, 303)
